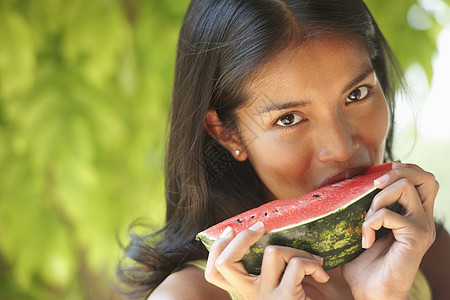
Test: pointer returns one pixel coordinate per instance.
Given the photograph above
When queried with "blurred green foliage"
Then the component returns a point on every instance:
(84, 94)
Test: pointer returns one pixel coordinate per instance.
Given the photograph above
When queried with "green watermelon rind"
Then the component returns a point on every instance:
(368, 192)
(337, 245)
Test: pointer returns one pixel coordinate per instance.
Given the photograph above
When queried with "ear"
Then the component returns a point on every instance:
(223, 136)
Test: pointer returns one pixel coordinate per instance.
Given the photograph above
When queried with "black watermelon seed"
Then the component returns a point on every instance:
(252, 217)
(275, 211)
(316, 196)
(265, 214)
(238, 221)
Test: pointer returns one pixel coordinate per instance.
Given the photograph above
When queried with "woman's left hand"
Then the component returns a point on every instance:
(388, 268)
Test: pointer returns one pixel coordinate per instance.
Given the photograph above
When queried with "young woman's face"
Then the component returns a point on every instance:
(316, 115)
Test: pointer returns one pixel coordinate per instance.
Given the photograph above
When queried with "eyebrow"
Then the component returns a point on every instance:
(273, 106)
(359, 78)
(281, 106)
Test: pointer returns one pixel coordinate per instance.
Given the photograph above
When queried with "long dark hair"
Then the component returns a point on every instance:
(221, 44)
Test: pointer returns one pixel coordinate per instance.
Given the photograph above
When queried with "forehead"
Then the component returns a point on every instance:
(322, 62)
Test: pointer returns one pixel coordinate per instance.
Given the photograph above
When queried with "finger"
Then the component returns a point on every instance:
(275, 260)
(382, 218)
(401, 191)
(377, 247)
(211, 273)
(425, 182)
(298, 268)
(229, 263)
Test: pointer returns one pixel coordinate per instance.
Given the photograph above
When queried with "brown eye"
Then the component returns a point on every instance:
(358, 94)
(289, 120)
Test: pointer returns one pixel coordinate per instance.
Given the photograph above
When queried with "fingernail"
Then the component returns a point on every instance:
(379, 181)
(318, 258)
(226, 233)
(258, 226)
(396, 165)
(364, 243)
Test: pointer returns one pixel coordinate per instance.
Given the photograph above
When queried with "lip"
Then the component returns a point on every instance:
(343, 175)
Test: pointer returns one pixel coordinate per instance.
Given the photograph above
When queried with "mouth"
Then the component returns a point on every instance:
(344, 175)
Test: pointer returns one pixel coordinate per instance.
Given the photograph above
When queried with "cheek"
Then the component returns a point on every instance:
(375, 127)
(270, 151)
(279, 163)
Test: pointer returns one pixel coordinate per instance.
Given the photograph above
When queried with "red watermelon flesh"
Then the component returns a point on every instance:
(281, 214)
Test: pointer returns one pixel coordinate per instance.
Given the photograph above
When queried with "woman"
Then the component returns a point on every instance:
(273, 99)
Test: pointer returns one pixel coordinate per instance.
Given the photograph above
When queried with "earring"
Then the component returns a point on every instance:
(237, 152)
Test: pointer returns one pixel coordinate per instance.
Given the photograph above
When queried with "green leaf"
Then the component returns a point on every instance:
(94, 39)
(392, 20)
(17, 60)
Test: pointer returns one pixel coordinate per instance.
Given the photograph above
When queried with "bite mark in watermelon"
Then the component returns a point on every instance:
(326, 222)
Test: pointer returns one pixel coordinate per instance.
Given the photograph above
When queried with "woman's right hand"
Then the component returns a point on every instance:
(225, 269)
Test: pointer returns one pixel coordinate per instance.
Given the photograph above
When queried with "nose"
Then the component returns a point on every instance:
(336, 139)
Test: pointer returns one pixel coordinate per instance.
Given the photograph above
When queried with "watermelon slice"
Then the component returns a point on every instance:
(326, 222)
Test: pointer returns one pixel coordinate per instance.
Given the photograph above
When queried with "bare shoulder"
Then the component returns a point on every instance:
(189, 284)
(436, 264)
